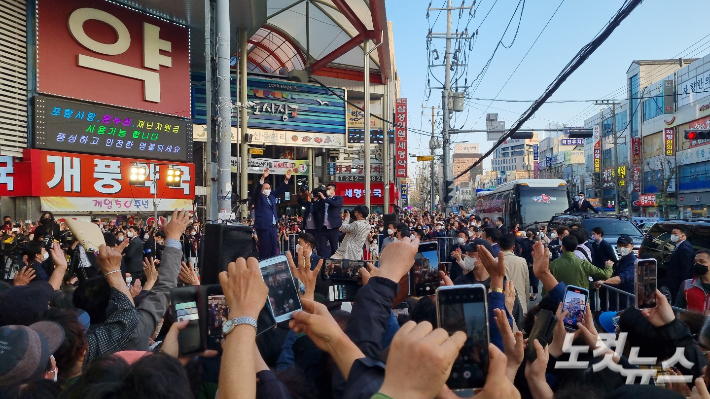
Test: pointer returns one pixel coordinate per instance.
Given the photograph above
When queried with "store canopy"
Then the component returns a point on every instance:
(290, 34)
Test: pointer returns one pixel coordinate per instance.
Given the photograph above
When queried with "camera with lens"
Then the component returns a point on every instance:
(318, 189)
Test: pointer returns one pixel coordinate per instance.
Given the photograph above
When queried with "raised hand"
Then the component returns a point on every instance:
(288, 175)
(24, 276)
(150, 272)
(187, 275)
(495, 267)
(244, 288)
(177, 225)
(513, 344)
(303, 271)
(541, 259)
(397, 258)
(662, 314)
(266, 174)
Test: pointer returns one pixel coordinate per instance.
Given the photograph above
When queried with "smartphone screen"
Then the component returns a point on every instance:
(464, 308)
(575, 303)
(186, 311)
(283, 295)
(342, 292)
(424, 279)
(342, 269)
(185, 301)
(645, 284)
(217, 315)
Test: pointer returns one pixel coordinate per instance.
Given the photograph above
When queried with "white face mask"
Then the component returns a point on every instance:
(45, 256)
(298, 248)
(120, 238)
(382, 228)
(128, 280)
(266, 192)
(146, 237)
(390, 231)
(130, 234)
(553, 236)
(192, 233)
(469, 263)
(675, 238)
(624, 251)
(470, 233)
(461, 240)
(412, 236)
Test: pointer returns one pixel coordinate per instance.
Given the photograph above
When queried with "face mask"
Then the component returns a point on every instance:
(382, 228)
(581, 198)
(146, 237)
(470, 233)
(192, 233)
(160, 242)
(553, 236)
(461, 240)
(469, 263)
(675, 238)
(624, 251)
(266, 192)
(120, 238)
(130, 234)
(390, 231)
(128, 280)
(700, 269)
(45, 256)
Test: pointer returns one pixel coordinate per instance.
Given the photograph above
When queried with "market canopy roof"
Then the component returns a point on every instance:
(290, 34)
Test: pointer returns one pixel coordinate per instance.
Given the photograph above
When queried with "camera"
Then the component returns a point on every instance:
(317, 190)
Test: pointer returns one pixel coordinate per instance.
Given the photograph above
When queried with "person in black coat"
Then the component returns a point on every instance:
(265, 216)
(581, 205)
(680, 265)
(329, 213)
(602, 251)
(133, 255)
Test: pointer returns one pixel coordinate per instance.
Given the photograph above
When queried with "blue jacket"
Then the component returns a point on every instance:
(679, 267)
(265, 213)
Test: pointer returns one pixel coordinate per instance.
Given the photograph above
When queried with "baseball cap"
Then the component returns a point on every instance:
(624, 239)
(473, 246)
(606, 320)
(24, 305)
(25, 351)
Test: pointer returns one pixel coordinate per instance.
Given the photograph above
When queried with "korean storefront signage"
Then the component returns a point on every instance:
(355, 172)
(356, 116)
(669, 140)
(536, 153)
(74, 126)
(400, 138)
(293, 138)
(60, 174)
(576, 157)
(571, 141)
(111, 205)
(108, 53)
(608, 180)
(636, 179)
(276, 166)
(647, 200)
(693, 89)
(281, 105)
(636, 151)
(404, 191)
(354, 193)
(597, 150)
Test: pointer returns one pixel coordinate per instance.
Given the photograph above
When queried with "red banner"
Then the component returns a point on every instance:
(400, 139)
(60, 174)
(647, 200)
(636, 151)
(597, 150)
(669, 138)
(104, 52)
(354, 193)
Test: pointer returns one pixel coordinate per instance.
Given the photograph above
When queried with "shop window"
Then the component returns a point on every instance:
(694, 176)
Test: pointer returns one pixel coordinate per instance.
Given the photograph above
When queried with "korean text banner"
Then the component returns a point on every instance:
(60, 174)
(103, 52)
(354, 193)
(400, 138)
(89, 128)
(276, 166)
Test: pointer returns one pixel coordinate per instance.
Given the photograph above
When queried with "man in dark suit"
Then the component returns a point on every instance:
(133, 255)
(581, 205)
(265, 216)
(329, 213)
(680, 266)
(602, 251)
(500, 226)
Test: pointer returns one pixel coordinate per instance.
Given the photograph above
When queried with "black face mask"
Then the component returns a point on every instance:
(700, 269)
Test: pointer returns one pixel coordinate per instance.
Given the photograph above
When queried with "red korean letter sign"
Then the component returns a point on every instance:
(103, 52)
(400, 138)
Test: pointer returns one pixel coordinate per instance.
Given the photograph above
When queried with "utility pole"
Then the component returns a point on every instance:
(601, 157)
(224, 106)
(445, 104)
(432, 147)
(615, 144)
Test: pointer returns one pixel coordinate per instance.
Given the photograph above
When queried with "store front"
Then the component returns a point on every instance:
(694, 205)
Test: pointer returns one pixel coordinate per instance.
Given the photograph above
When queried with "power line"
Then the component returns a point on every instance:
(567, 71)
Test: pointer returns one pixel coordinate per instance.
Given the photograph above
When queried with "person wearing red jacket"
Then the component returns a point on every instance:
(695, 293)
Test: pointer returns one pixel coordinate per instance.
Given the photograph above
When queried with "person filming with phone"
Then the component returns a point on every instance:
(265, 215)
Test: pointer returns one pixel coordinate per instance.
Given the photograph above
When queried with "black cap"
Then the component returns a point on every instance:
(473, 245)
(624, 239)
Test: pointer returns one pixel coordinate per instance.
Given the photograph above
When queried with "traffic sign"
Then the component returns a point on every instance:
(256, 151)
(425, 158)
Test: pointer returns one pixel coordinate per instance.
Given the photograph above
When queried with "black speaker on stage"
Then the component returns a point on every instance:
(390, 218)
(221, 245)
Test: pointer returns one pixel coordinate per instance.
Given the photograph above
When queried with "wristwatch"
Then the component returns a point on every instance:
(229, 325)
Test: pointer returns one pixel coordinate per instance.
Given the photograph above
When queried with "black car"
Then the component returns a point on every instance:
(657, 242)
(613, 226)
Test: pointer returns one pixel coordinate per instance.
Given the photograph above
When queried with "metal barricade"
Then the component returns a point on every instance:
(618, 294)
(288, 243)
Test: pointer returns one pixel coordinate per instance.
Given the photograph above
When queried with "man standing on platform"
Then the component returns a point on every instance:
(332, 220)
(265, 216)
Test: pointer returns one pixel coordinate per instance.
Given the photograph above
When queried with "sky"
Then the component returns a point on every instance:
(656, 29)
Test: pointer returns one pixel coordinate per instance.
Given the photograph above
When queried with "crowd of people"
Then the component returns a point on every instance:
(98, 324)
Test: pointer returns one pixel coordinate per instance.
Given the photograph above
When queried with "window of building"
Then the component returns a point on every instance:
(518, 153)
(652, 107)
(607, 158)
(622, 119)
(607, 126)
(694, 176)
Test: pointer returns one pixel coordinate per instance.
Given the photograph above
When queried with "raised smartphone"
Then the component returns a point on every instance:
(542, 331)
(575, 303)
(465, 308)
(424, 276)
(283, 294)
(645, 283)
(185, 302)
(342, 269)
